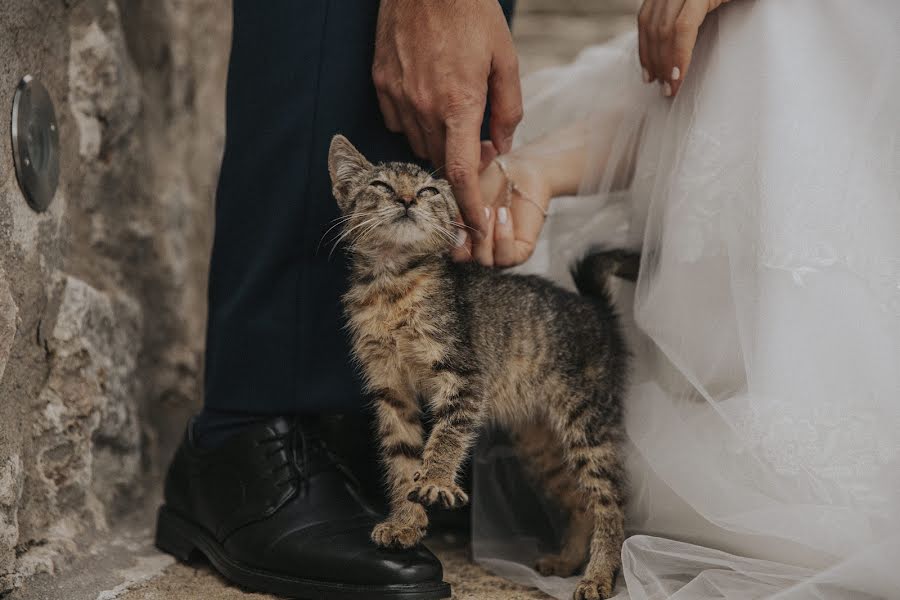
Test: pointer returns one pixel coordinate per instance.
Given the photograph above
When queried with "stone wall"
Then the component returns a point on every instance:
(552, 32)
(102, 297)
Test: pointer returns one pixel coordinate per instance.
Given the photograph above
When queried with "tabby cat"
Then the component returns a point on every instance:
(478, 345)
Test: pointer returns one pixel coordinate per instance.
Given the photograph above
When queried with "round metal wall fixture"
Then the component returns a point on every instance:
(35, 143)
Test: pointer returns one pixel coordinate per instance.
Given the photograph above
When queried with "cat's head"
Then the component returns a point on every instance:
(391, 207)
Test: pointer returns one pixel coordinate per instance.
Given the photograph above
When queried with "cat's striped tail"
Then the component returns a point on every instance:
(593, 270)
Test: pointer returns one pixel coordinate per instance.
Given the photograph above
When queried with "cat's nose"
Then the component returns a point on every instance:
(406, 200)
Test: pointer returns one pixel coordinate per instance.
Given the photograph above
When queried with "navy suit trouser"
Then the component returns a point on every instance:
(299, 72)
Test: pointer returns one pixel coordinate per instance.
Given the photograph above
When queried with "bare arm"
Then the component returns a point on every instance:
(551, 166)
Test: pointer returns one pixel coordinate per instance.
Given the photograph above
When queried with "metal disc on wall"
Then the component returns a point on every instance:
(35, 141)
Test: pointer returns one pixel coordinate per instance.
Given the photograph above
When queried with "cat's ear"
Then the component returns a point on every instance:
(345, 165)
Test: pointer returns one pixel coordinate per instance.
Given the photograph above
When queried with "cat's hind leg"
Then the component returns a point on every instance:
(593, 435)
(539, 449)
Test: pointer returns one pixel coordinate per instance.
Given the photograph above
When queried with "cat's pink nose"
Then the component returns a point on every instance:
(407, 200)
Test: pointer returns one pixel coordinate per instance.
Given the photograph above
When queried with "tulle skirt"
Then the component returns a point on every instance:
(764, 411)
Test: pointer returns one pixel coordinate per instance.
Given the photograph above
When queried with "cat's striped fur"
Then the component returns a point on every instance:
(476, 345)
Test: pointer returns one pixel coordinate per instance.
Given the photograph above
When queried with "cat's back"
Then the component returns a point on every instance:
(536, 341)
(509, 310)
(503, 292)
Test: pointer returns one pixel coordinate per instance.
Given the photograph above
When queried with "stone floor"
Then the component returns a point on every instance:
(125, 566)
(198, 582)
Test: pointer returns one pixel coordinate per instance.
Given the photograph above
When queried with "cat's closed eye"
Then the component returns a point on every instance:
(427, 192)
(384, 187)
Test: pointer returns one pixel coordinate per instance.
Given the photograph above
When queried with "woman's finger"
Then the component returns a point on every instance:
(687, 26)
(670, 72)
(504, 239)
(526, 228)
(653, 35)
(644, 40)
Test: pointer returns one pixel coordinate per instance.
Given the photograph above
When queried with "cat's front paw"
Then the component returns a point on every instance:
(443, 494)
(592, 589)
(395, 534)
(554, 564)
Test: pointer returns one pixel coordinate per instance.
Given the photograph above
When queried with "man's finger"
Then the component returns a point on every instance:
(483, 249)
(463, 154)
(413, 131)
(505, 94)
(390, 113)
(488, 154)
(435, 140)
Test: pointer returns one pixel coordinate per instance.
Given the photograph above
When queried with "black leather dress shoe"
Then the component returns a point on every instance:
(274, 512)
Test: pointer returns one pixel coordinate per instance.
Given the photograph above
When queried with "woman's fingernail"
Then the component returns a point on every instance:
(667, 89)
(503, 215)
(487, 213)
(676, 73)
(460, 237)
(646, 76)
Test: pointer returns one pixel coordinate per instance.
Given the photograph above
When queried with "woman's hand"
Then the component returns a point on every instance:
(667, 32)
(517, 214)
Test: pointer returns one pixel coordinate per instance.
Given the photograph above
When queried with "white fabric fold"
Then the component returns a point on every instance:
(764, 413)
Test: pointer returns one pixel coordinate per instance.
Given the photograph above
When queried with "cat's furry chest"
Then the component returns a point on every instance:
(399, 324)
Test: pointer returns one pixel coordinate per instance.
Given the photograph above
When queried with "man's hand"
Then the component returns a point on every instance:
(436, 63)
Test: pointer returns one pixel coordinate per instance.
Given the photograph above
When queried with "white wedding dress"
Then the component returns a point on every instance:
(764, 412)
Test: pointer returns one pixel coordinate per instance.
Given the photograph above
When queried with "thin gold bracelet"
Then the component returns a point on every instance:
(511, 188)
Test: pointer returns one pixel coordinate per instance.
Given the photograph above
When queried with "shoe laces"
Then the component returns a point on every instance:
(308, 454)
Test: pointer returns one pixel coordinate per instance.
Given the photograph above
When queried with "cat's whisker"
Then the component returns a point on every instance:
(452, 236)
(361, 237)
(347, 232)
(359, 225)
(337, 223)
(374, 221)
(443, 231)
(324, 235)
(440, 224)
(435, 223)
(459, 225)
(440, 227)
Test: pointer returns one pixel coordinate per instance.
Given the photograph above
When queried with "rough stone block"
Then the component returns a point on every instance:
(102, 296)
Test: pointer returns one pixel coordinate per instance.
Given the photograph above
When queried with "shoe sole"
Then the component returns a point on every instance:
(181, 538)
